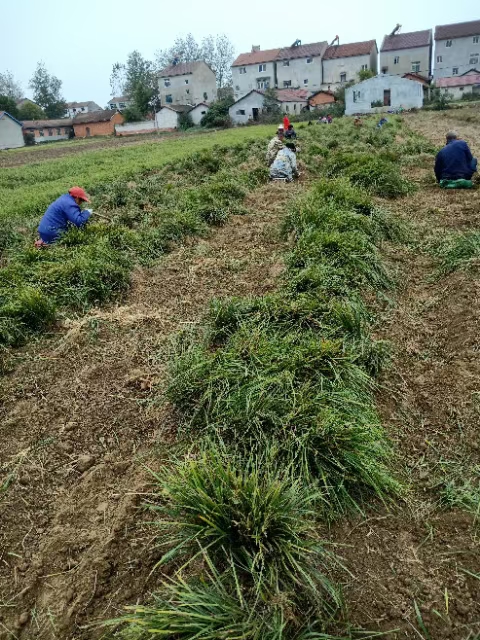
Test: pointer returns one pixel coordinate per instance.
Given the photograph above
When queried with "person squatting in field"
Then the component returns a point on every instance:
(275, 145)
(454, 161)
(285, 164)
(62, 213)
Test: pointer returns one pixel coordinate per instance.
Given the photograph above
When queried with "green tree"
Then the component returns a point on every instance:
(365, 74)
(137, 79)
(271, 104)
(31, 111)
(9, 105)
(46, 92)
(9, 86)
(217, 115)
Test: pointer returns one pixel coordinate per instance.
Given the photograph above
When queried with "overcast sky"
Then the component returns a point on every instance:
(79, 42)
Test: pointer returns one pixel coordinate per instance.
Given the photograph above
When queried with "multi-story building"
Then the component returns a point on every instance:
(343, 62)
(457, 49)
(187, 83)
(72, 109)
(119, 103)
(403, 53)
(295, 67)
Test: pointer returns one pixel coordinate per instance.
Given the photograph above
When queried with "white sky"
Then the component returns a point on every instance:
(80, 41)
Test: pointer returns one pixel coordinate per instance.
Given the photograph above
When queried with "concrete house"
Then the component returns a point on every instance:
(321, 98)
(74, 108)
(97, 123)
(249, 108)
(294, 67)
(459, 86)
(342, 62)
(198, 112)
(168, 117)
(11, 135)
(293, 101)
(457, 49)
(403, 53)
(118, 103)
(49, 130)
(391, 91)
(187, 83)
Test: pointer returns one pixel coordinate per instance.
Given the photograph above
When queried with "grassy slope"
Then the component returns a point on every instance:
(27, 191)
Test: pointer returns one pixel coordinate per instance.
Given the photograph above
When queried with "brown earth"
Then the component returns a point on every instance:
(77, 419)
(420, 554)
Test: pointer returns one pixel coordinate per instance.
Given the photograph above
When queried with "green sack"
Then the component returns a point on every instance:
(461, 183)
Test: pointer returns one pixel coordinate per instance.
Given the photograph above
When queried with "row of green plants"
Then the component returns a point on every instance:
(275, 394)
(141, 218)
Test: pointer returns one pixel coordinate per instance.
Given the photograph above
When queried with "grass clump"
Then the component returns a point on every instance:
(458, 251)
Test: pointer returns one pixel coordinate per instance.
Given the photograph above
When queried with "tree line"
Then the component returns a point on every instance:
(47, 96)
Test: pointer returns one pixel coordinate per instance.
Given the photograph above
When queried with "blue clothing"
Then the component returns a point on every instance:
(455, 161)
(59, 215)
(284, 165)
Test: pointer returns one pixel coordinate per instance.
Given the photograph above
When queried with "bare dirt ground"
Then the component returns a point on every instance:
(421, 554)
(53, 151)
(77, 419)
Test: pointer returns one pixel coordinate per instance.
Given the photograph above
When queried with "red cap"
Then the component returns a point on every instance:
(78, 192)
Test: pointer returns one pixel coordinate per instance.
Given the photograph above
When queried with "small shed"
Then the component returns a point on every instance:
(97, 123)
(383, 93)
(49, 130)
(293, 101)
(168, 118)
(321, 98)
(459, 86)
(11, 136)
(198, 112)
(248, 107)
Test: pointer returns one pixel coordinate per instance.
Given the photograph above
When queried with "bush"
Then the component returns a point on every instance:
(185, 121)
(217, 115)
(458, 251)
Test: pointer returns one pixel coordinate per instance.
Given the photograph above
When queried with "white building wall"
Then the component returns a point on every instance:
(132, 128)
(198, 113)
(406, 58)
(246, 104)
(245, 82)
(403, 92)
(293, 108)
(52, 138)
(11, 135)
(166, 118)
(459, 55)
(458, 92)
(299, 70)
(190, 88)
(332, 69)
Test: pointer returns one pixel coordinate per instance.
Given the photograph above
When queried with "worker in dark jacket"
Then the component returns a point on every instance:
(455, 160)
(66, 210)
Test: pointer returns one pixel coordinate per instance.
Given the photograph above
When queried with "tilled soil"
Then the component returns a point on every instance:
(81, 416)
(411, 564)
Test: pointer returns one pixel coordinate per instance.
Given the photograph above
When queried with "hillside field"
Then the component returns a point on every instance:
(231, 408)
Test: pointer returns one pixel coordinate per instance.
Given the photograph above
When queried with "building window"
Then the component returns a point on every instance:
(88, 132)
(262, 67)
(166, 82)
(384, 69)
(364, 67)
(237, 87)
(439, 58)
(66, 131)
(83, 108)
(287, 83)
(113, 105)
(287, 109)
(59, 132)
(455, 71)
(473, 60)
(356, 96)
(309, 60)
(74, 110)
(476, 39)
(415, 67)
(294, 107)
(461, 88)
(203, 113)
(263, 84)
(121, 105)
(50, 132)
(66, 112)
(242, 70)
(186, 81)
(396, 60)
(343, 77)
(205, 95)
(448, 43)
(187, 91)
(169, 98)
(305, 82)
(240, 112)
(286, 63)
(41, 133)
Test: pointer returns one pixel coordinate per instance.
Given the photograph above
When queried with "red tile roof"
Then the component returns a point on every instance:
(459, 81)
(407, 40)
(180, 69)
(256, 57)
(292, 95)
(416, 76)
(458, 30)
(349, 50)
(95, 116)
(47, 124)
(302, 51)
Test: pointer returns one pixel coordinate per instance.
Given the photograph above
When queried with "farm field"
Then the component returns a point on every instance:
(297, 364)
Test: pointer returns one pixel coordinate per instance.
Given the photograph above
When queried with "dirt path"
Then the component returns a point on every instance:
(420, 553)
(77, 418)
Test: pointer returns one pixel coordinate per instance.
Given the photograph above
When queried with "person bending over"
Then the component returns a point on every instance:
(285, 164)
(455, 160)
(65, 211)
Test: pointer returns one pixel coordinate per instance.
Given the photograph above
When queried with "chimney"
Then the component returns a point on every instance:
(255, 48)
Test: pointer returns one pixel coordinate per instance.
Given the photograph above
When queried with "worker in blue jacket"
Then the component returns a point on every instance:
(455, 160)
(60, 214)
